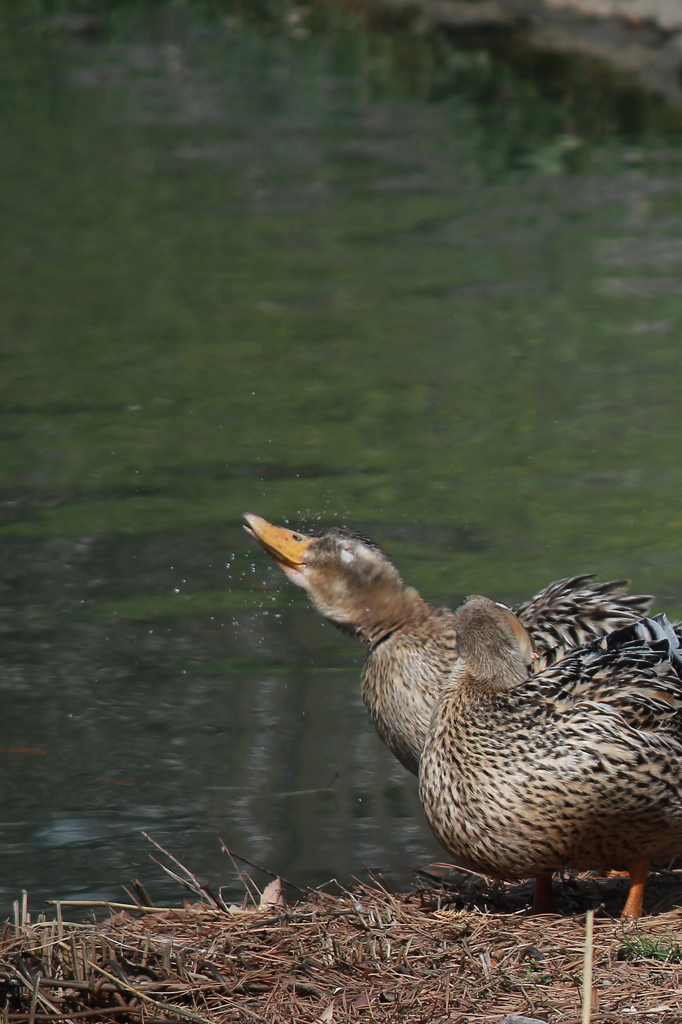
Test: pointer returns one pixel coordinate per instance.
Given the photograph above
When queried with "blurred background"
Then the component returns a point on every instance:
(329, 263)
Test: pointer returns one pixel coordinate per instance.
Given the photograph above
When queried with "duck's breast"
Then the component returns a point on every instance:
(513, 787)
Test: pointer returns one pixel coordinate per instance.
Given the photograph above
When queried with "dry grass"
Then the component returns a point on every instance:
(459, 948)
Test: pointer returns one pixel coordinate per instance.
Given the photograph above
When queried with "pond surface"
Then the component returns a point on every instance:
(315, 276)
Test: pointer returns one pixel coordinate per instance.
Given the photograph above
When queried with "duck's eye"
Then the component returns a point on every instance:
(347, 555)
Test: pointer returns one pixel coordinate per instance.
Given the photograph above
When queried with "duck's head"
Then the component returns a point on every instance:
(350, 580)
(494, 648)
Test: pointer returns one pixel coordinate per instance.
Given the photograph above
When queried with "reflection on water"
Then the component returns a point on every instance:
(317, 280)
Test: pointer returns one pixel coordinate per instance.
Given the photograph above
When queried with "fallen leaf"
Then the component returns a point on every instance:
(272, 895)
(327, 1013)
(361, 1002)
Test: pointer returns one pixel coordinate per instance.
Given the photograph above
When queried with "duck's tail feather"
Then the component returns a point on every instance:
(576, 610)
(657, 632)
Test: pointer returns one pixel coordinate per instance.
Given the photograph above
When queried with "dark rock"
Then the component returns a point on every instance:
(514, 1018)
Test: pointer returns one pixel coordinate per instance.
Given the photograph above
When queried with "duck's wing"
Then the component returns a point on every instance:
(574, 611)
(631, 677)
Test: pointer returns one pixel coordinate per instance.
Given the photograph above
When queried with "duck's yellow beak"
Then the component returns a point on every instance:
(286, 547)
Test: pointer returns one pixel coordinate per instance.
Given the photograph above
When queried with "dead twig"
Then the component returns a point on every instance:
(236, 856)
(457, 950)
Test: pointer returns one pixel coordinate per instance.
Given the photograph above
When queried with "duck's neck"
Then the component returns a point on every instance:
(403, 678)
(391, 612)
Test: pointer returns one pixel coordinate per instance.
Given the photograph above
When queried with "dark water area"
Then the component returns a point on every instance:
(326, 273)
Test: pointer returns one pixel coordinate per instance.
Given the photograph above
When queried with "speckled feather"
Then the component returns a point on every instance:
(574, 611)
(404, 675)
(402, 680)
(578, 766)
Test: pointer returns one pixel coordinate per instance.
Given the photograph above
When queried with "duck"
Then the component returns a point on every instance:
(412, 645)
(578, 765)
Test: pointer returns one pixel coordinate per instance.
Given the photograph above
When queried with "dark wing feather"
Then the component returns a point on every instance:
(633, 675)
(574, 611)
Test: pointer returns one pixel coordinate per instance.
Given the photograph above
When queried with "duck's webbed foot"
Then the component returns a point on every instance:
(637, 870)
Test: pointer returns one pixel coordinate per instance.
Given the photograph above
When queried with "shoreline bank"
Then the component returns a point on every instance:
(639, 38)
(364, 953)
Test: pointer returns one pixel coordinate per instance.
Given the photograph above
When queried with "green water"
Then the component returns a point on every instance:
(324, 274)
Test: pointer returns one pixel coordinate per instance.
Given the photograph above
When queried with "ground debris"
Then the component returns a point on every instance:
(443, 952)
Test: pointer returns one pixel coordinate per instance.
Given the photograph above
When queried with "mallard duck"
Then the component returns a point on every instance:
(412, 645)
(578, 766)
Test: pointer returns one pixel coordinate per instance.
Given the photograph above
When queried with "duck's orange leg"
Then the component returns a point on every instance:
(543, 901)
(637, 870)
